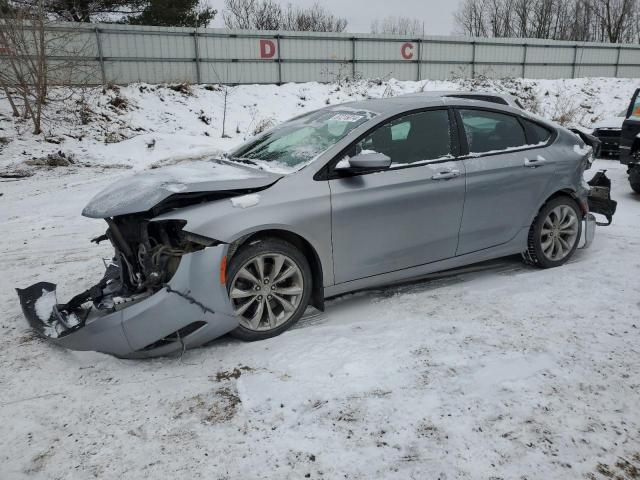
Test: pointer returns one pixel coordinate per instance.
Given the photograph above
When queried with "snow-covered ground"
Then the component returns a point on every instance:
(503, 372)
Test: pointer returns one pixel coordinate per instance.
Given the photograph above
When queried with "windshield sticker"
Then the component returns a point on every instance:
(346, 117)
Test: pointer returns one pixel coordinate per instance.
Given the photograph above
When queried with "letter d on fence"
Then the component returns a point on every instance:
(267, 48)
(406, 50)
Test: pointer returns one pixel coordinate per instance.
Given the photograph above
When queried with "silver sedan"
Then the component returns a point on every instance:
(344, 198)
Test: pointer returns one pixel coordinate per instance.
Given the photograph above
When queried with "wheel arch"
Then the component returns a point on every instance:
(317, 294)
(565, 192)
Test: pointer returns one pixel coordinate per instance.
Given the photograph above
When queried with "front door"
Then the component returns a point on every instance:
(407, 215)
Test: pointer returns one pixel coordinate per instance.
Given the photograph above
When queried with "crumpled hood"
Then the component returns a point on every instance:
(143, 191)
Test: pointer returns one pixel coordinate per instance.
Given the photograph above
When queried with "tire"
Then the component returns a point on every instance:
(254, 295)
(558, 229)
(634, 177)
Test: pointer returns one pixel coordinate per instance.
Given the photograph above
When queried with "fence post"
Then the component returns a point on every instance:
(575, 58)
(279, 60)
(100, 56)
(473, 59)
(419, 59)
(353, 57)
(196, 50)
(524, 62)
(618, 61)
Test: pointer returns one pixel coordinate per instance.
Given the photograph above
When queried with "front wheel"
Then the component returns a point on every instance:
(269, 285)
(554, 234)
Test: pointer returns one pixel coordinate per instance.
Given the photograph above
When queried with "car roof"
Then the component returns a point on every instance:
(510, 99)
(403, 103)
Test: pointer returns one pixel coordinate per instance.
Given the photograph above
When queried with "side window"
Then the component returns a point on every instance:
(536, 133)
(490, 131)
(412, 138)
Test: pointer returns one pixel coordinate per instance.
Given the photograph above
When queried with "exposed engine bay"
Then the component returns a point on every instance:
(147, 253)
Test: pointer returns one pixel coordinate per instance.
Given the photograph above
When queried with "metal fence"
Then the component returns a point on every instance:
(124, 54)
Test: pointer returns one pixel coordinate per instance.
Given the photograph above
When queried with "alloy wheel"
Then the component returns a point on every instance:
(266, 291)
(559, 233)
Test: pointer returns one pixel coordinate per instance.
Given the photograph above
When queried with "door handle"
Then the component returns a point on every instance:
(534, 162)
(446, 175)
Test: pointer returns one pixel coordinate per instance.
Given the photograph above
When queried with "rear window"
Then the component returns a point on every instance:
(491, 131)
(536, 132)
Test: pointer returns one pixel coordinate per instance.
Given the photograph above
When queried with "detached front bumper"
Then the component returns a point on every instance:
(191, 310)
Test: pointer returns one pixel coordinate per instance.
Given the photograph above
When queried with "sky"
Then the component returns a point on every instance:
(436, 14)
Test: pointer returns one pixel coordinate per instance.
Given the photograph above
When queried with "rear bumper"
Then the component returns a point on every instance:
(195, 304)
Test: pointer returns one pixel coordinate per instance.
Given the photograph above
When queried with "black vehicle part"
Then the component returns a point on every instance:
(60, 321)
(594, 142)
(634, 177)
(64, 318)
(600, 197)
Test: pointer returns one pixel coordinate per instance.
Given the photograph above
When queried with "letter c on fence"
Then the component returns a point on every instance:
(267, 48)
(406, 50)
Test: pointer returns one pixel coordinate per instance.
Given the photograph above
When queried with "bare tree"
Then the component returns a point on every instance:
(578, 20)
(270, 15)
(471, 18)
(391, 25)
(313, 19)
(616, 18)
(36, 56)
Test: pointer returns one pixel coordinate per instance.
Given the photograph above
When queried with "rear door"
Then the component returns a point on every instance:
(508, 171)
(407, 215)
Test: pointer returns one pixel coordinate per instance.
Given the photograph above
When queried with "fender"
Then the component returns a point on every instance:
(230, 219)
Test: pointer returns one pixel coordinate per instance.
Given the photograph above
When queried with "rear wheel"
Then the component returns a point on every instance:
(554, 234)
(269, 288)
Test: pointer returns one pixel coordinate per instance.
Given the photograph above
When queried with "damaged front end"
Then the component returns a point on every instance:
(160, 293)
(162, 290)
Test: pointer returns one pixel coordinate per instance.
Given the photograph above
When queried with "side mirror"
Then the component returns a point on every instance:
(365, 162)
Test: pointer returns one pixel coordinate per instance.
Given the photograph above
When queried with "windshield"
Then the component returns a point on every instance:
(296, 143)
